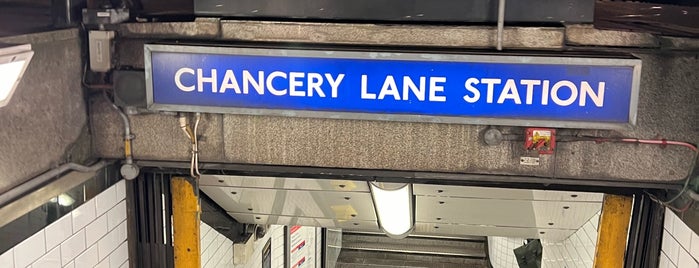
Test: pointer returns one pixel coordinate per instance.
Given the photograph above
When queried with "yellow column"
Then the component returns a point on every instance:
(613, 231)
(185, 222)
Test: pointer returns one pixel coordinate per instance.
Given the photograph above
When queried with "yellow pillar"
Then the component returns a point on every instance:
(185, 222)
(613, 231)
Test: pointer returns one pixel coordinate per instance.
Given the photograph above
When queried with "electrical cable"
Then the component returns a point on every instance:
(195, 148)
(661, 142)
(192, 136)
(685, 187)
(184, 125)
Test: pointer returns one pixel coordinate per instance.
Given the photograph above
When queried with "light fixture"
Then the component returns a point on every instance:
(13, 62)
(394, 207)
(63, 200)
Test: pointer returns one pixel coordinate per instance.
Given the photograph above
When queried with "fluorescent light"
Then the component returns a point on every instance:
(13, 63)
(63, 200)
(394, 207)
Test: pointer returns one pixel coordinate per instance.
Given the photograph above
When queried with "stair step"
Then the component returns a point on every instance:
(478, 264)
(422, 242)
(442, 250)
(372, 261)
(348, 255)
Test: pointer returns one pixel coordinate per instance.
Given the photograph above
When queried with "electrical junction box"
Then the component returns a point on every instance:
(540, 140)
(100, 43)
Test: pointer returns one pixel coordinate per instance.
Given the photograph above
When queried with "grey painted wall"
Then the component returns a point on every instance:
(668, 105)
(45, 123)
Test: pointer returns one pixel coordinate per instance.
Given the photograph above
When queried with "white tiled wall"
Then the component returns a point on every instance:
(92, 235)
(276, 232)
(680, 248)
(217, 250)
(576, 251)
(500, 251)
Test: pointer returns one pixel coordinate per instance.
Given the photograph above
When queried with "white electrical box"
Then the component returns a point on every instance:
(101, 50)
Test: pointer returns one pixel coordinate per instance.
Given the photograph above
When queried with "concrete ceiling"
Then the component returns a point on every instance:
(439, 210)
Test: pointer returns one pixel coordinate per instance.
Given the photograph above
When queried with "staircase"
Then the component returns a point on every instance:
(369, 250)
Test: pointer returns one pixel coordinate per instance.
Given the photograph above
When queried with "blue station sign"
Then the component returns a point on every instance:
(567, 92)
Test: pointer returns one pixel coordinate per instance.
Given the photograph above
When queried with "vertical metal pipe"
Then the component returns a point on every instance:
(185, 220)
(501, 22)
(612, 231)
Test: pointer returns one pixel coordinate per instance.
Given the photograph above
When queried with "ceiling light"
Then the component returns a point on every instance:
(13, 62)
(63, 200)
(394, 207)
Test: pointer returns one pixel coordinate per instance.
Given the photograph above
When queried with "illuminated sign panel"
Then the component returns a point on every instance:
(420, 87)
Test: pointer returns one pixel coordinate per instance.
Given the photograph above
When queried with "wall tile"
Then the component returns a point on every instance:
(30, 249)
(595, 220)
(694, 248)
(89, 258)
(211, 250)
(686, 260)
(51, 259)
(670, 247)
(111, 241)
(83, 215)
(203, 230)
(208, 239)
(70, 265)
(72, 247)
(7, 259)
(225, 250)
(106, 200)
(669, 220)
(664, 262)
(103, 264)
(116, 215)
(95, 230)
(120, 255)
(682, 233)
(120, 190)
(59, 231)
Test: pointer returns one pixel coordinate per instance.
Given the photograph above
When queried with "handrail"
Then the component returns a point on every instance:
(32, 184)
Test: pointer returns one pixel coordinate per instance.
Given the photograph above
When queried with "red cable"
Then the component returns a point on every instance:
(661, 142)
(657, 142)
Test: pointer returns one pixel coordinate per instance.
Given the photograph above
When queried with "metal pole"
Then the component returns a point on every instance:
(501, 22)
(185, 221)
(612, 231)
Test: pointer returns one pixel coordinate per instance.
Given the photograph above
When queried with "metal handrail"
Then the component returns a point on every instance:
(36, 182)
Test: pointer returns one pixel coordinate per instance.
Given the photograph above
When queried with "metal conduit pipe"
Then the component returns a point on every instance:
(501, 22)
(44, 178)
(127, 129)
(128, 170)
